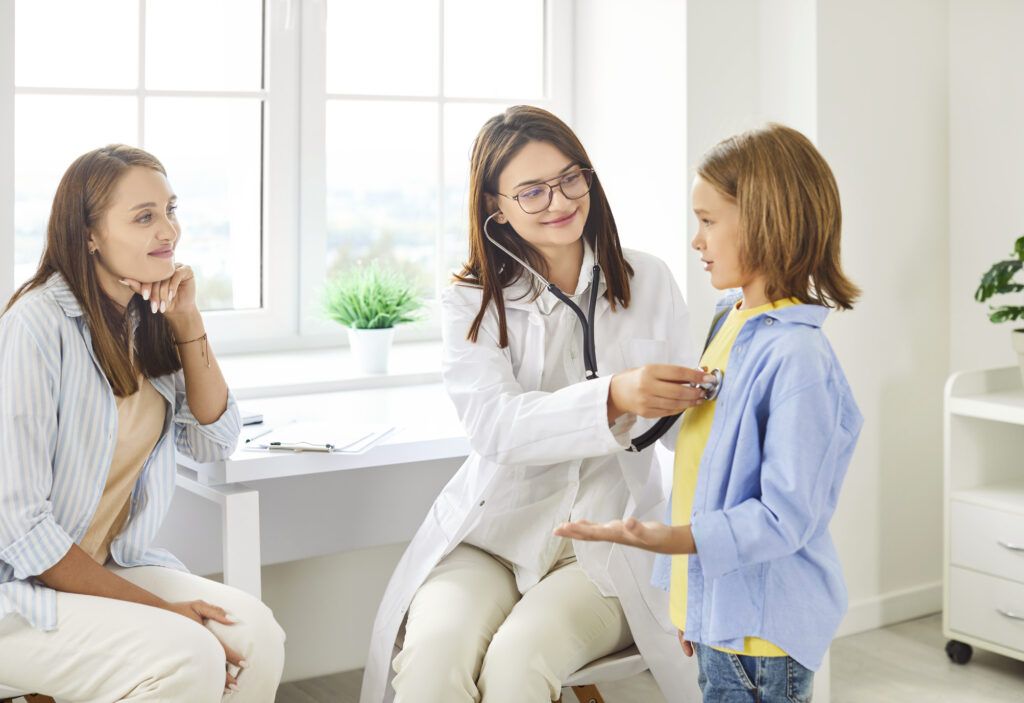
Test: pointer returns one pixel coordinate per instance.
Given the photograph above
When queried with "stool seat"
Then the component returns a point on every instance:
(620, 665)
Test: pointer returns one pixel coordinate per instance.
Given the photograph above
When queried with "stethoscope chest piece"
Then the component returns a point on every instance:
(712, 388)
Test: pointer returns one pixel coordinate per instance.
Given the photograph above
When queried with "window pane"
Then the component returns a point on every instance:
(75, 44)
(202, 45)
(42, 154)
(382, 47)
(462, 122)
(211, 149)
(382, 187)
(494, 49)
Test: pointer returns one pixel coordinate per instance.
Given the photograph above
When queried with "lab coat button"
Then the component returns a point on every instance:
(482, 503)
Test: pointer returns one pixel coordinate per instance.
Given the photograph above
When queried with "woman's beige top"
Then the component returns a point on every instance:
(140, 420)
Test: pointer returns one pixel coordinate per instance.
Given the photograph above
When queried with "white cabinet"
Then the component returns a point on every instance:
(983, 550)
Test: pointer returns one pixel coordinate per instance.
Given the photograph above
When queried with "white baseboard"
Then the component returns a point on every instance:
(892, 607)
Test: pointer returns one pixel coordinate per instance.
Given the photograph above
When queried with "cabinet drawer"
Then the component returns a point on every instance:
(975, 601)
(983, 539)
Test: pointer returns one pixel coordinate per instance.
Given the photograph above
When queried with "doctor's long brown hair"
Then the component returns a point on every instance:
(83, 198)
(491, 269)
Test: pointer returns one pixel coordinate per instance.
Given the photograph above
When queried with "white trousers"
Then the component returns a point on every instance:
(107, 650)
(471, 636)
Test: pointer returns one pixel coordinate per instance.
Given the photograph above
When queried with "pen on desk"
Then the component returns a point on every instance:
(261, 434)
(301, 446)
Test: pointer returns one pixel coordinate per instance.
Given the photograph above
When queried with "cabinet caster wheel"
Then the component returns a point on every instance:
(958, 652)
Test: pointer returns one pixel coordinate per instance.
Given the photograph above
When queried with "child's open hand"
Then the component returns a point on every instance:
(652, 536)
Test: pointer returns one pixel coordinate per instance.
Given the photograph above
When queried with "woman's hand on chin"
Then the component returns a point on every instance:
(172, 296)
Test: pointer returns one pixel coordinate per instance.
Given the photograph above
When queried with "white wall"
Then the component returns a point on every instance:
(882, 123)
(630, 113)
(986, 114)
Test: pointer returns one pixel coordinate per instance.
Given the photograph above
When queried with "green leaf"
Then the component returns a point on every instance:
(370, 298)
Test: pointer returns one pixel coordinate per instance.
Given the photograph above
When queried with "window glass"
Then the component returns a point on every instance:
(207, 147)
(382, 179)
(203, 45)
(42, 154)
(494, 49)
(382, 47)
(75, 44)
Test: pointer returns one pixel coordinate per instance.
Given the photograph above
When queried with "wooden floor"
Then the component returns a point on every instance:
(904, 663)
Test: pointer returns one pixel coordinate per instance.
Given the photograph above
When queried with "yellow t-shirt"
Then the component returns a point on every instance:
(693, 435)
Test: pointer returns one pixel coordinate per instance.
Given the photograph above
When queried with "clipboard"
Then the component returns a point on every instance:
(323, 437)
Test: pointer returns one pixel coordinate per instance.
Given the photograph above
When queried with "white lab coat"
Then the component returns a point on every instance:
(510, 423)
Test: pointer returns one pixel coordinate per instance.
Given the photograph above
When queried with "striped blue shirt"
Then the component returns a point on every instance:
(58, 427)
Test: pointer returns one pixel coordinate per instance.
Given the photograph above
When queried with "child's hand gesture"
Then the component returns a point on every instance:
(652, 536)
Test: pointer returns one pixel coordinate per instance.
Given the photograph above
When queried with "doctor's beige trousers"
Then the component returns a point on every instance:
(471, 636)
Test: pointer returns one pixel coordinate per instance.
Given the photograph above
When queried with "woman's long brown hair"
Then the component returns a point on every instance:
(491, 269)
(83, 198)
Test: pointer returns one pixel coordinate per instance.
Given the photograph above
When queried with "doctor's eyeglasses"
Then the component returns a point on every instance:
(537, 198)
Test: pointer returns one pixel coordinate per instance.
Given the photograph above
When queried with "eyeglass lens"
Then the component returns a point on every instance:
(538, 197)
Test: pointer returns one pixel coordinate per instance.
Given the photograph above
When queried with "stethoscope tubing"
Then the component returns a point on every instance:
(659, 428)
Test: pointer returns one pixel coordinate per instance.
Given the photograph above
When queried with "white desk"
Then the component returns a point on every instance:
(325, 503)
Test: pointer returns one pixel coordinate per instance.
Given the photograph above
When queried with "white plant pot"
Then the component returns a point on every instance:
(371, 348)
(1017, 337)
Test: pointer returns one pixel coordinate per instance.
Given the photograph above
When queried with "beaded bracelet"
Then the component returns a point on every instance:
(202, 339)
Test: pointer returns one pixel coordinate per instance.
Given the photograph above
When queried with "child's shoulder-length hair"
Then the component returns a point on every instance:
(790, 217)
(491, 269)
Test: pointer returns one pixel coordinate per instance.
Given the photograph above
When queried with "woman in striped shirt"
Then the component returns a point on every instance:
(105, 370)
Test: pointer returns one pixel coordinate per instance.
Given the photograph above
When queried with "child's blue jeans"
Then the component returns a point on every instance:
(734, 678)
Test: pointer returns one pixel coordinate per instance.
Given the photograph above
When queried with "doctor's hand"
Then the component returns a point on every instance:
(652, 536)
(655, 390)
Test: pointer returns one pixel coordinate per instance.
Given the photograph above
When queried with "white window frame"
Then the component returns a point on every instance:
(294, 217)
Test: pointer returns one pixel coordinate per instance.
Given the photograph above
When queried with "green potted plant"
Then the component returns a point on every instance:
(999, 280)
(370, 301)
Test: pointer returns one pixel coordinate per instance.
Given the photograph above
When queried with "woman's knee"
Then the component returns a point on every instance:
(516, 662)
(194, 671)
(256, 636)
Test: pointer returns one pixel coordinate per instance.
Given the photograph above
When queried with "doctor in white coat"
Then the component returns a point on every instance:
(487, 604)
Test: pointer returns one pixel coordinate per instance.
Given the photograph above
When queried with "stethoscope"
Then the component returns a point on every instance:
(711, 389)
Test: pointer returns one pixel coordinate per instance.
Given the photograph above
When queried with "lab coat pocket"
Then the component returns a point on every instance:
(638, 352)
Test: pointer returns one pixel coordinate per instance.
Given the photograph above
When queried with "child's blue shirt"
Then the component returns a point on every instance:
(784, 431)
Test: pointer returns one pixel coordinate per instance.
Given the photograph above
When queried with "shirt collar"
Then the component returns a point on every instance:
(804, 314)
(519, 293)
(58, 287)
(61, 292)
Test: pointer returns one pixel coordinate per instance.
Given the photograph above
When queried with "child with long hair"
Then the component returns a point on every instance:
(756, 585)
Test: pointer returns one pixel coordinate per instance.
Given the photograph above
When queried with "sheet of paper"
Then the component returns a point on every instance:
(342, 437)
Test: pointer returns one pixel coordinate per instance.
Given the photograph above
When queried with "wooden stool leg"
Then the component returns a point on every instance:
(588, 694)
